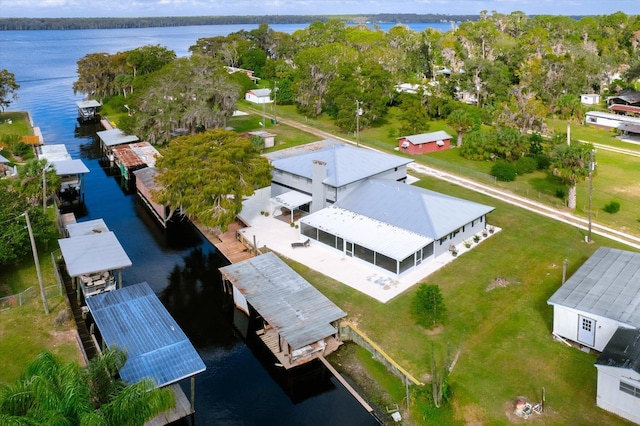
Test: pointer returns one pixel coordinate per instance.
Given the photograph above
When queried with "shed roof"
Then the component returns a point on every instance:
(91, 103)
(622, 350)
(427, 137)
(627, 96)
(88, 254)
(55, 152)
(427, 213)
(624, 108)
(115, 137)
(89, 227)
(136, 154)
(133, 318)
(3, 160)
(607, 284)
(291, 200)
(146, 177)
(300, 313)
(345, 164)
(69, 167)
(261, 93)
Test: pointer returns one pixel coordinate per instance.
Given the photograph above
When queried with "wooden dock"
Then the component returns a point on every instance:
(227, 243)
(346, 385)
(181, 410)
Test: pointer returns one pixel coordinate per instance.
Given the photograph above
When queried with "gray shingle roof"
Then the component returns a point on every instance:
(416, 209)
(300, 313)
(607, 284)
(345, 164)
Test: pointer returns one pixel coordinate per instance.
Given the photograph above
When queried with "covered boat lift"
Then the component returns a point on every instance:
(89, 227)
(92, 260)
(87, 110)
(114, 137)
(300, 323)
(134, 320)
(71, 174)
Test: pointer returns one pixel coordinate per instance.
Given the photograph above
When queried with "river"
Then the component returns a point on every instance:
(240, 385)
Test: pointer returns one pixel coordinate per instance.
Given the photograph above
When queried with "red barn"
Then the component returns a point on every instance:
(425, 142)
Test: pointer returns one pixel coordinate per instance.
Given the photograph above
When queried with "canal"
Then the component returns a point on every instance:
(241, 386)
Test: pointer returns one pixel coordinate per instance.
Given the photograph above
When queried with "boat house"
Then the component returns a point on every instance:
(133, 319)
(71, 194)
(134, 156)
(300, 323)
(111, 138)
(145, 184)
(87, 110)
(94, 261)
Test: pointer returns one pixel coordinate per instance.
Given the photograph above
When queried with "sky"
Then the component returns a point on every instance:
(138, 8)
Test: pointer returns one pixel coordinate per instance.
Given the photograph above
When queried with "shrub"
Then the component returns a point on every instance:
(543, 161)
(612, 207)
(504, 171)
(560, 193)
(428, 306)
(22, 149)
(526, 165)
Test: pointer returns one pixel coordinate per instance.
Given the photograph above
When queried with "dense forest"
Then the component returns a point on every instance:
(181, 21)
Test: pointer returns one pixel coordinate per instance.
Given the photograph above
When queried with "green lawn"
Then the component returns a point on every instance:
(504, 334)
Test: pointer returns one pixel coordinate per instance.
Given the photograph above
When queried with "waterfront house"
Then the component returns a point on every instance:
(299, 323)
(618, 368)
(608, 121)
(134, 319)
(425, 143)
(603, 295)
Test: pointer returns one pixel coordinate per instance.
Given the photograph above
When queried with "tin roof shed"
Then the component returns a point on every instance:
(88, 254)
(115, 137)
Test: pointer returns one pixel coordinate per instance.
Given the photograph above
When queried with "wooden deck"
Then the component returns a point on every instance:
(227, 243)
(182, 409)
(270, 338)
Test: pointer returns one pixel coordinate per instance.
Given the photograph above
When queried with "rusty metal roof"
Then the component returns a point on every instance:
(136, 154)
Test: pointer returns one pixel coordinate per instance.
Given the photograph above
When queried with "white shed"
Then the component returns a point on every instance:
(590, 98)
(258, 96)
(603, 295)
(619, 375)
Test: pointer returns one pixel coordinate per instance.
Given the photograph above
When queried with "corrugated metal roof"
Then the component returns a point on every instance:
(69, 167)
(146, 176)
(300, 313)
(55, 152)
(88, 254)
(345, 164)
(427, 137)
(115, 137)
(607, 284)
(392, 241)
(291, 200)
(617, 117)
(302, 149)
(261, 93)
(133, 318)
(412, 208)
(622, 350)
(136, 154)
(89, 227)
(3, 160)
(92, 103)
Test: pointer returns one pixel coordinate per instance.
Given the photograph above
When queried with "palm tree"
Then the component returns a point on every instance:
(462, 122)
(571, 164)
(50, 392)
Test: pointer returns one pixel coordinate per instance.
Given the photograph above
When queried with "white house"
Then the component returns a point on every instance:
(603, 295)
(328, 171)
(619, 375)
(393, 225)
(607, 120)
(590, 98)
(258, 96)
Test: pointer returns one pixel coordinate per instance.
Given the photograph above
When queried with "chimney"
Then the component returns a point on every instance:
(318, 190)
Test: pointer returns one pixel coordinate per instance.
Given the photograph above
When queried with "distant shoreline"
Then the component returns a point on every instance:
(12, 24)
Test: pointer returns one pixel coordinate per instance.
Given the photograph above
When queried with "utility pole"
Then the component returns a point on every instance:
(358, 114)
(592, 166)
(44, 190)
(35, 259)
(275, 95)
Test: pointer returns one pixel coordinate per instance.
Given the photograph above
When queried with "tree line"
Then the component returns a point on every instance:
(181, 21)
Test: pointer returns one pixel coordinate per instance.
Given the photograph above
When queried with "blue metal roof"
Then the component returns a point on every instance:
(134, 319)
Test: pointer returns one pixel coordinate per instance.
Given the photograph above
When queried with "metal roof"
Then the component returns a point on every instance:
(291, 200)
(392, 241)
(55, 152)
(300, 313)
(115, 137)
(137, 154)
(89, 227)
(3, 160)
(146, 177)
(412, 208)
(607, 284)
(427, 137)
(133, 319)
(69, 167)
(617, 117)
(345, 164)
(622, 350)
(261, 93)
(92, 103)
(88, 254)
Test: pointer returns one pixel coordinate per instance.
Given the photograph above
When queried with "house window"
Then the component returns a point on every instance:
(592, 119)
(631, 390)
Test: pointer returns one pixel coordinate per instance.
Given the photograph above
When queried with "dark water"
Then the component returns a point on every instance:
(240, 386)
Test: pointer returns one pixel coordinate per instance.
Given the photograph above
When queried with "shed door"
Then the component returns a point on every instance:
(586, 330)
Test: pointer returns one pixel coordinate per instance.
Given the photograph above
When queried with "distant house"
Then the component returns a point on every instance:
(608, 121)
(425, 143)
(393, 225)
(603, 295)
(590, 99)
(249, 73)
(327, 171)
(619, 375)
(258, 96)
(626, 102)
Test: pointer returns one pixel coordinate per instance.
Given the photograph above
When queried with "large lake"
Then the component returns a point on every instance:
(240, 386)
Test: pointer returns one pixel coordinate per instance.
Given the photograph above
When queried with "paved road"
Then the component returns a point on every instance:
(506, 196)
